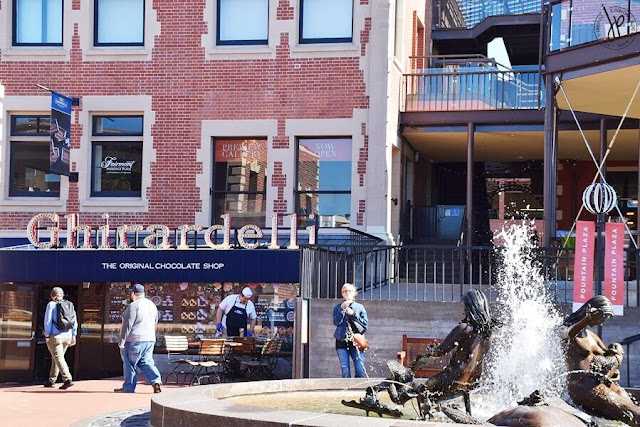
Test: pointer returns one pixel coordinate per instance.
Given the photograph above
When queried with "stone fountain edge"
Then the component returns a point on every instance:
(202, 405)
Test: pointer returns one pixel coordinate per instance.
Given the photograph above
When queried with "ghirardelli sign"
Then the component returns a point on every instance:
(159, 236)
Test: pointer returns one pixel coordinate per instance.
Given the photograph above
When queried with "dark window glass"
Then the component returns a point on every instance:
(117, 125)
(326, 21)
(37, 22)
(119, 23)
(116, 169)
(243, 22)
(240, 181)
(324, 180)
(30, 125)
(30, 175)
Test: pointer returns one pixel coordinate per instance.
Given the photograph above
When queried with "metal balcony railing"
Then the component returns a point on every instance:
(472, 86)
(437, 272)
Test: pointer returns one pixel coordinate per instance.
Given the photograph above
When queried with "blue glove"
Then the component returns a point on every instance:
(249, 333)
(219, 327)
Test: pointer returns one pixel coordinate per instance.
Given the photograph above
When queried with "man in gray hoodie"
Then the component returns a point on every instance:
(137, 339)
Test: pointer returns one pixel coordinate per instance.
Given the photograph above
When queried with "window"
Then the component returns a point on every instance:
(324, 180)
(30, 175)
(119, 23)
(326, 21)
(242, 22)
(116, 159)
(37, 22)
(240, 181)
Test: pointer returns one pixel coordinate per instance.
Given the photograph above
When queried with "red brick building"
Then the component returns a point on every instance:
(189, 110)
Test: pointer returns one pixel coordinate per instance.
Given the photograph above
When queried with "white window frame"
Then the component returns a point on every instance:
(316, 15)
(235, 17)
(101, 139)
(138, 105)
(125, 18)
(43, 141)
(45, 14)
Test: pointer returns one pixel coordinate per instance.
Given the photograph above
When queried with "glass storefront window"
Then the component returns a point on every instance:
(30, 175)
(37, 23)
(119, 23)
(326, 21)
(240, 181)
(117, 169)
(243, 22)
(30, 125)
(29, 158)
(189, 308)
(117, 125)
(16, 319)
(324, 180)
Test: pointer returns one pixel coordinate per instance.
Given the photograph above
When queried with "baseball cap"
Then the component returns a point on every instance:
(247, 292)
(137, 288)
(57, 291)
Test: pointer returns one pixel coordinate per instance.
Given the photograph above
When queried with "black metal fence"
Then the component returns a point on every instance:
(435, 273)
(472, 88)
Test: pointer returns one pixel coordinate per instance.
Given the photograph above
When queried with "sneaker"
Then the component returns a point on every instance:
(156, 388)
(121, 390)
(49, 384)
(66, 385)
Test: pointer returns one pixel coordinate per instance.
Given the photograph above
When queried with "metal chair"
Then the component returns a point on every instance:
(244, 349)
(177, 347)
(263, 366)
(212, 354)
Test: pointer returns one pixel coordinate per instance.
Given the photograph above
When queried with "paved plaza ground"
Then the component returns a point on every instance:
(88, 403)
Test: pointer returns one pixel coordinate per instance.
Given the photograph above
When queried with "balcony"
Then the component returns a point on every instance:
(476, 83)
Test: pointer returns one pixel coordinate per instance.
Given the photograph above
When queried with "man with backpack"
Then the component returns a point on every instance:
(60, 329)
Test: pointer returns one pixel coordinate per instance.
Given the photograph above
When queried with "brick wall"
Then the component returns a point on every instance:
(187, 89)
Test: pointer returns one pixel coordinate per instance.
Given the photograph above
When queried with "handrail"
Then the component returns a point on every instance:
(455, 59)
(627, 342)
(424, 272)
(472, 89)
(631, 339)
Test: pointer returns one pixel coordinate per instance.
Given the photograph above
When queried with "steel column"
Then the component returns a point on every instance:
(550, 161)
(470, 140)
(599, 262)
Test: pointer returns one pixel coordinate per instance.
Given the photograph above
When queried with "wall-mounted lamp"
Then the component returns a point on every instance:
(85, 285)
(416, 156)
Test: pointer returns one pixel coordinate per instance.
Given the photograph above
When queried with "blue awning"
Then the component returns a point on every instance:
(201, 265)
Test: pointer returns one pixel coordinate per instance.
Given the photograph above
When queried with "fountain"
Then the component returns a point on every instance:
(525, 367)
(526, 350)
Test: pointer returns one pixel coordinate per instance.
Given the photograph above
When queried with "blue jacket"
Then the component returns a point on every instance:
(340, 319)
(50, 327)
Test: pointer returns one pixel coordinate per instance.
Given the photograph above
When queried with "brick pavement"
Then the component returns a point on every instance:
(88, 403)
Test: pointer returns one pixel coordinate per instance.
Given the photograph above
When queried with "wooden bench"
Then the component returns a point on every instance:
(414, 347)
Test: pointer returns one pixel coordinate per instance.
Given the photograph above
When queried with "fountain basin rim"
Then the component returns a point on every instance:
(204, 405)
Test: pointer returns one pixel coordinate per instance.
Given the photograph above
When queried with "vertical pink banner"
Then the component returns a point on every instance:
(614, 265)
(583, 263)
